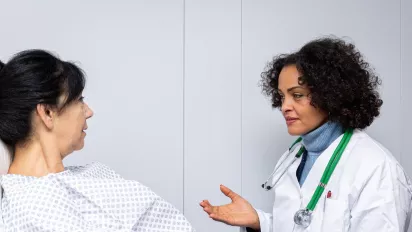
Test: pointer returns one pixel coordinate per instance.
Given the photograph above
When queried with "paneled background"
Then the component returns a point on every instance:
(174, 83)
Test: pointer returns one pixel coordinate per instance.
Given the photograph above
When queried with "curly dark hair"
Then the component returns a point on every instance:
(341, 82)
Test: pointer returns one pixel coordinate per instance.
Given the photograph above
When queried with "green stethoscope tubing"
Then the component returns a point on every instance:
(327, 173)
(333, 162)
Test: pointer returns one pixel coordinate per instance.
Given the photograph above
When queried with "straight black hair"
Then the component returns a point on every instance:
(30, 78)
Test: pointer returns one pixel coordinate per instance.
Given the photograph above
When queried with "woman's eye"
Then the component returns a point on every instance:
(81, 99)
(297, 95)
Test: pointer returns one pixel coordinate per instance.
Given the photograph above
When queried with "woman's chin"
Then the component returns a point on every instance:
(295, 130)
(79, 145)
(293, 133)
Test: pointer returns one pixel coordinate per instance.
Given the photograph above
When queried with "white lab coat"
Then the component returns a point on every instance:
(370, 192)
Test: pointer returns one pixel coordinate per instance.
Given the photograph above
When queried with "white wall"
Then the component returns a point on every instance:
(174, 84)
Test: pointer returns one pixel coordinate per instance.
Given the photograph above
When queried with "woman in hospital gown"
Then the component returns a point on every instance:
(326, 93)
(43, 117)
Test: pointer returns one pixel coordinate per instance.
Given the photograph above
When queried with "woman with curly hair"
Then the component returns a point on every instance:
(335, 177)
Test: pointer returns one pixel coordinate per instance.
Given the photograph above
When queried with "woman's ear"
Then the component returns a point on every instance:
(46, 115)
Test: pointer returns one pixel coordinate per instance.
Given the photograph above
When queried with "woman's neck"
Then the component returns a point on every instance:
(36, 159)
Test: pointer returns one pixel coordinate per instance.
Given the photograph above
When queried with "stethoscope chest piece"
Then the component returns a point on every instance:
(303, 217)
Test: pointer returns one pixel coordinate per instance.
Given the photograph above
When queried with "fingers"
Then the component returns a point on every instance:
(214, 212)
(228, 192)
(205, 203)
(207, 207)
(220, 218)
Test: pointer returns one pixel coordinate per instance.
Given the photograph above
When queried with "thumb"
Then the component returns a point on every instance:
(228, 192)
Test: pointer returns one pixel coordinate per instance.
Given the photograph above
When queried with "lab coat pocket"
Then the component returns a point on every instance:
(335, 216)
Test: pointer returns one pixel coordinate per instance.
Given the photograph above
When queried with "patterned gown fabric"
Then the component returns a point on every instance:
(85, 198)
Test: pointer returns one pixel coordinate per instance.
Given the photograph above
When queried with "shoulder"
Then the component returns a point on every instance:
(40, 203)
(368, 152)
(95, 170)
(100, 176)
(26, 196)
(32, 189)
(375, 181)
(369, 160)
(365, 144)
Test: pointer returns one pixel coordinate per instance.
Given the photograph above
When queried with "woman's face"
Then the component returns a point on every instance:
(70, 125)
(301, 117)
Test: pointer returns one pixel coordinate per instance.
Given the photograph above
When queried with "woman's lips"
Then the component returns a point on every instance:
(290, 120)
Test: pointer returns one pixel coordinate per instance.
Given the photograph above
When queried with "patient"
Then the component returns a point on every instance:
(43, 117)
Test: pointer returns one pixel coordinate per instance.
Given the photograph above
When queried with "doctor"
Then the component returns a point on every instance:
(334, 177)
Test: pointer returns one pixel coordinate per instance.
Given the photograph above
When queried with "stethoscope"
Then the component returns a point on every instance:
(303, 217)
(265, 185)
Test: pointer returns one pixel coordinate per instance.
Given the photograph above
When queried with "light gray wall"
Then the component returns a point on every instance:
(212, 105)
(406, 83)
(174, 83)
(406, 86)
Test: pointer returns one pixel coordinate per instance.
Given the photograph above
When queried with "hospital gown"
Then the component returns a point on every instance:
(86, 198)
